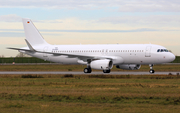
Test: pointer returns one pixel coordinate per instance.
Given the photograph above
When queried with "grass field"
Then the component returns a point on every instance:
(88, 93)
(171, 67)
(36, 60)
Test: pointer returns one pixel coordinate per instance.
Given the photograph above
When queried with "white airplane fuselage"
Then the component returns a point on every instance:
(102, 57)
(130, 53)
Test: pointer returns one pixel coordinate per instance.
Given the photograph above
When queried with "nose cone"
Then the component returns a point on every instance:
(171, 57)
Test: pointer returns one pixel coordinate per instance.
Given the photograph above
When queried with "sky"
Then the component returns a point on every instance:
(92, 22)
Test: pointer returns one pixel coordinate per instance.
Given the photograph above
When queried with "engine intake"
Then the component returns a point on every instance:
(102, 64)
(129, 66)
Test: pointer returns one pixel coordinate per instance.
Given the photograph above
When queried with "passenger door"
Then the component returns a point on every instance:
(148, 51)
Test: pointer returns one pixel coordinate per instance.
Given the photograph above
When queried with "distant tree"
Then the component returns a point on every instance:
(22, 55)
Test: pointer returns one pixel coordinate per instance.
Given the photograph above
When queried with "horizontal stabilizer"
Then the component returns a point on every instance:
(19, 49)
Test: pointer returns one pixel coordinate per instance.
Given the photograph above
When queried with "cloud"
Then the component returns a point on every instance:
(102, 31)
(10, 18)
(103, 25)
(150, 20)
(18, 32)
(11, 34)
(150, 6)
(16, 18)
(121, 5)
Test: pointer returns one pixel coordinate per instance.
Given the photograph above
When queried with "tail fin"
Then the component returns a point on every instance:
(32, 34)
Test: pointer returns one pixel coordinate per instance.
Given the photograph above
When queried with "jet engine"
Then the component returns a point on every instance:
(104, 64)
(129, 66)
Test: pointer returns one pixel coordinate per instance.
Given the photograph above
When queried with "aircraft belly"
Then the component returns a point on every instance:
(57, 59)
(139, 59)
(64, 60)
(132, 59)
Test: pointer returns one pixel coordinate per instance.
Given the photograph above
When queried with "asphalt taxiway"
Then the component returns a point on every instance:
(82, 73)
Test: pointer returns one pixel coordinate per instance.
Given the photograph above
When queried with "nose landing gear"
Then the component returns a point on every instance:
(151, 68)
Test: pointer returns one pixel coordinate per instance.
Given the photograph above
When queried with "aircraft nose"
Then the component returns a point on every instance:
(172, 57)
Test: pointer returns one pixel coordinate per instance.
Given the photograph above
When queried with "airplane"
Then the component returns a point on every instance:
(101, 57)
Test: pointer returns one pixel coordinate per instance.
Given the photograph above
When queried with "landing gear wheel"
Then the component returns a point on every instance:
(106, 71)
(151, 71)
(87, 70)
(151, 68)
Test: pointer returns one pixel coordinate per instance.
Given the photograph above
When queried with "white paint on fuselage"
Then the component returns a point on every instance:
(130, 53)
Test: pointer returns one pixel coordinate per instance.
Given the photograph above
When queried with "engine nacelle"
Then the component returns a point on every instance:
(102, 64)
(129, 66)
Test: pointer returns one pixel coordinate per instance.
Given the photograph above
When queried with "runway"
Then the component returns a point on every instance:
(82, 73)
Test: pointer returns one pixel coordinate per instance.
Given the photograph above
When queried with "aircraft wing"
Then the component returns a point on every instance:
(83, 58)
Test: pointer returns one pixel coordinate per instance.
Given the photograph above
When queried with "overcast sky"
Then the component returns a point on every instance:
(92, 22)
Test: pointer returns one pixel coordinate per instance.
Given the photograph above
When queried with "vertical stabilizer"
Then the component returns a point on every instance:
(32, 34)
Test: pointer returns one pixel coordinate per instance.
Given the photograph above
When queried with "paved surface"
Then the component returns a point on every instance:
(63, 64)
(82, 73)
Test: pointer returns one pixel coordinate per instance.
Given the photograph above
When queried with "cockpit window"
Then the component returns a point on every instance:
(162, 50)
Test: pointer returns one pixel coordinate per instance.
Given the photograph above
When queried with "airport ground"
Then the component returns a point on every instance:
(171, 67)
(5, 60)
(70, 93)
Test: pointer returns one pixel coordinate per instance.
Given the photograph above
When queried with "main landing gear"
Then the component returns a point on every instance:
(87, 70)
(106, 71)
(151, 68)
